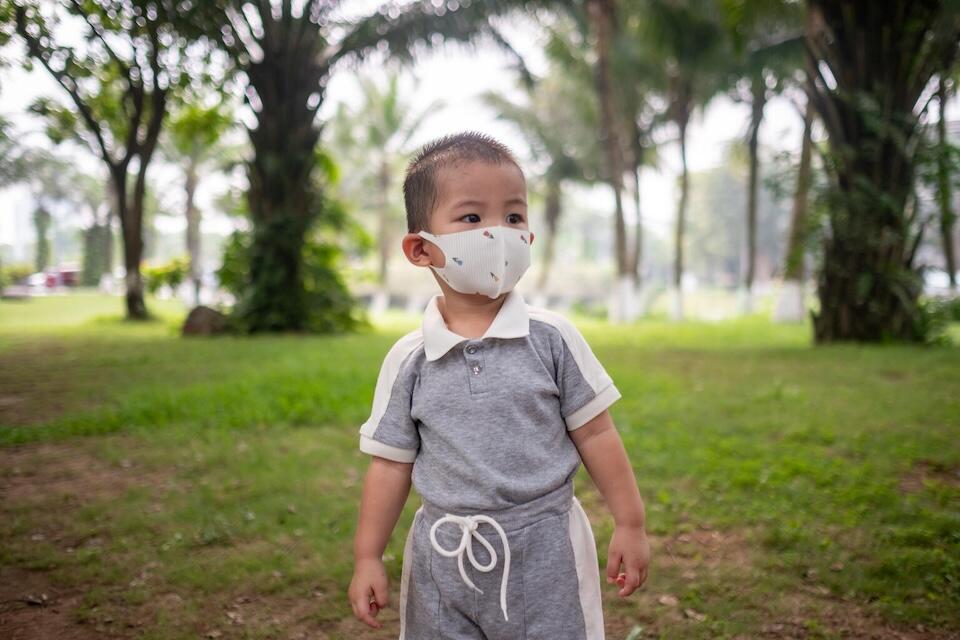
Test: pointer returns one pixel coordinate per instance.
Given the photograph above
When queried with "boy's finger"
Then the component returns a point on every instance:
(613, 567)
(367, 617)
(363, 611)
(631, 583)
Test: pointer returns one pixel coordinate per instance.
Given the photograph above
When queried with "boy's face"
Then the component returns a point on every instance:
(471, 195)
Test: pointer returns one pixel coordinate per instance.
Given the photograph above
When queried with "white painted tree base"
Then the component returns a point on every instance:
(675, 297)
(379, 303)
(645, 300)
(789, 306)
(622, 306)
(744, 301)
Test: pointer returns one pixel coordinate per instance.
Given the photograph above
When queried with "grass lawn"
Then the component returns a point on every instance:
(159, 487)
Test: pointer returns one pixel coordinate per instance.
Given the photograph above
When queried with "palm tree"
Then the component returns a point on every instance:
(287, 54)
(621, 118)
(869, 69)
(192, 142)
(767, 53)
(559, 124)
(689, 37)
(790, 304)
(642, 82)
(373, 142)
(603, 23)
(945, 87)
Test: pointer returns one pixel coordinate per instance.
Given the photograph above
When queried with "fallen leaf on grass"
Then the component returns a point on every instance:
(694, 615)
(668, 600)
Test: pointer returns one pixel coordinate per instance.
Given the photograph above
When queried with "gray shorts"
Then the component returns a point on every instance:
(552, 589)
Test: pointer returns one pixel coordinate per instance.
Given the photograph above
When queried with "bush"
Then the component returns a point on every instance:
(936, 314)
(331, 307)
(14, 274)
(171, 274)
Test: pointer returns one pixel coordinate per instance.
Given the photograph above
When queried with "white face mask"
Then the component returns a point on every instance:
(489, 260)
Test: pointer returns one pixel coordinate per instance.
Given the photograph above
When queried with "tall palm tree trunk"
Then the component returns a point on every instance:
(381, 297)
(944, 191)
(602, 14)
(383, 227)
(677, 309)
(635, 265)
(790, 305)
(282, 197)
(193, 228)
(552, 216)
(749, 255)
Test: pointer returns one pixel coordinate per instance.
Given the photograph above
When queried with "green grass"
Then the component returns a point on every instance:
(244, 477)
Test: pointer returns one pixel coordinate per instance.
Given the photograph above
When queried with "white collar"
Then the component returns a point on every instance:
(512, 321)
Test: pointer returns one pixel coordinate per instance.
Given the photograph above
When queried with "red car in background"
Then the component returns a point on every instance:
(62, 277)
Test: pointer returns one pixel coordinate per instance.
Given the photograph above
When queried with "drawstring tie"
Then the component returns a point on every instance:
(468, 526)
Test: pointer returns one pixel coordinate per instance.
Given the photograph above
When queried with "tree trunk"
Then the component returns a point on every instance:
(193, 228)
(383, 182)
(636, 258)
(944, 191)
(108, 236)
(131, 218)
(749, 256)
(282, 197)
(381, 297)
(41, 223)
(552, 216)
(602, 16)
(868, 285)
(790, 305)
(677, 310)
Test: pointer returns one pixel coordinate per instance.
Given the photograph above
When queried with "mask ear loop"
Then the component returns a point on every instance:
(426, 235)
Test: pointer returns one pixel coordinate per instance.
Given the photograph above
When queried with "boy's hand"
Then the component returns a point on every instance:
(368, 590)
(629, 547)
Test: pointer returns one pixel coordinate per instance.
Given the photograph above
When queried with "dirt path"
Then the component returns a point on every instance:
(52, 480)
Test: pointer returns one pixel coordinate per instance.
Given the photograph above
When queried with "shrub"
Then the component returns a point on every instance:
(171, 274)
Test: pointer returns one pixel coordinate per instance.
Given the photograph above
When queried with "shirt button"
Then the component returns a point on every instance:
(472, 349)
(476, 369)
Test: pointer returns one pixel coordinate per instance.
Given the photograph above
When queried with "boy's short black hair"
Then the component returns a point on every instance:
(420, 183)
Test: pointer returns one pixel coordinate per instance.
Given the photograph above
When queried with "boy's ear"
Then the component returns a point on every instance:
(421, 252)
(531, 238)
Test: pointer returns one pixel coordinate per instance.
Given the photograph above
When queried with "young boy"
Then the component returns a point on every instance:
(487, 410)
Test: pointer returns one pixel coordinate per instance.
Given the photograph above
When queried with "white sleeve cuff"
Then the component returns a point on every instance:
(377, 448)
(592, 409)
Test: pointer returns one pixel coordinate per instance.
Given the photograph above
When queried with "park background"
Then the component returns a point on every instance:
(791, 411)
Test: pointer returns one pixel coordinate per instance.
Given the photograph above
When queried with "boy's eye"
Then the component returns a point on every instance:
(472, 218)
(514, 218)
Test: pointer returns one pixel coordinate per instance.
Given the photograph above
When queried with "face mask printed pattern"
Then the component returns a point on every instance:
(489, 261)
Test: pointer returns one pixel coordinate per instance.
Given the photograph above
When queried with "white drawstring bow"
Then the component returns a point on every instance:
(468, 526)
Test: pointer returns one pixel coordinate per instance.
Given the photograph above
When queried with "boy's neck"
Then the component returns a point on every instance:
(471, 316)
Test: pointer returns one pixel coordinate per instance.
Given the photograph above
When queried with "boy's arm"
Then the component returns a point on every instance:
(385, 490)
(606, 460)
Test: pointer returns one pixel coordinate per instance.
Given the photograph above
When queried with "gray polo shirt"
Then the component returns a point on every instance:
(485, 421)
